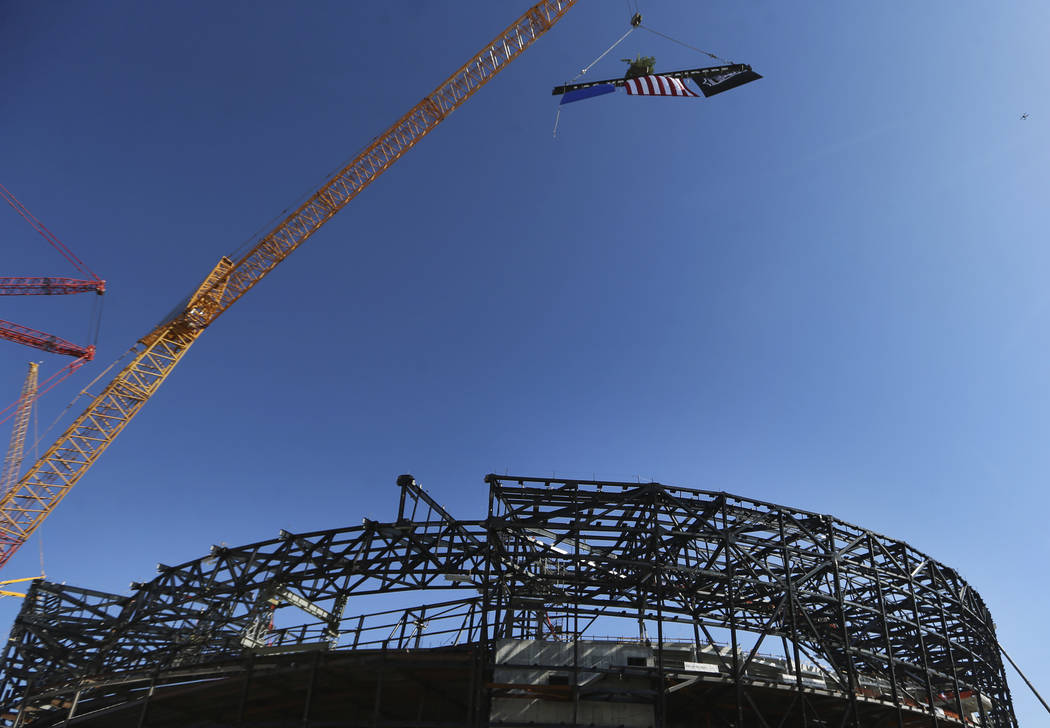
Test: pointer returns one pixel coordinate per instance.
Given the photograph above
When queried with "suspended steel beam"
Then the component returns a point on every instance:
(690, 73)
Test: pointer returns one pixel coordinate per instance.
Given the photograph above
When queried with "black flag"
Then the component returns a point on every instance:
(711, 85)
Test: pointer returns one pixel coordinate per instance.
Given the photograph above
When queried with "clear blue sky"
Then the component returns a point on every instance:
(826, 289)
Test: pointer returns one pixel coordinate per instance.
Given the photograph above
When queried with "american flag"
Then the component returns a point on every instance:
(658, 86)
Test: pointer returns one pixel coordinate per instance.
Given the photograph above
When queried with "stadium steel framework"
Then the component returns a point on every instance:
(740, 613)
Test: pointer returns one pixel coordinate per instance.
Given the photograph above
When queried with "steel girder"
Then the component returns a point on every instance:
(893, 633)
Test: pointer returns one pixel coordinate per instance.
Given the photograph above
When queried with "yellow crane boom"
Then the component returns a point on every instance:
(16, 450)
(44, 485)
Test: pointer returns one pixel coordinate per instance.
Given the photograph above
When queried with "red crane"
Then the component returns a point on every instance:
(45, 342)
(46, 286)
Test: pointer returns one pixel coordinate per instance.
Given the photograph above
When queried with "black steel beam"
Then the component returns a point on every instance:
(690, 73)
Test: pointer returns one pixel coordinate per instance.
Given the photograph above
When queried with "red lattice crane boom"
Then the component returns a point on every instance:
(36, 285)
(45, 342)
(157, 353)
(46, 286)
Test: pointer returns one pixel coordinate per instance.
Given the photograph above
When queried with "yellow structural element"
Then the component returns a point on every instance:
(65, 462)
(16, 450)
(6, 593)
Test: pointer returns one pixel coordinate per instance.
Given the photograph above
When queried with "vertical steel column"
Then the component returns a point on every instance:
(923, 652)
(403, 481)
(143, 715)
(577, 578)
(486, 641)
(357, 632)
(473, 683)
(420, 626)
(309, 701)
(377, 702)
(789, 584)
(729, 539)
(851, 669)
(692, 561)
(22, 708)
(951, 654)
(1005, 698)
(890, 656)
(997, 685)
(249, 670)
(969, 637)
(696, 633)
(980, 707)
(656, 557)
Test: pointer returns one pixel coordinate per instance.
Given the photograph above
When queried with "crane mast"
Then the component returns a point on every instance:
(44, 485)
(16, 450)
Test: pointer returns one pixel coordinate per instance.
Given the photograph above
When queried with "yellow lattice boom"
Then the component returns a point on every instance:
(16, 450)
(44, 485)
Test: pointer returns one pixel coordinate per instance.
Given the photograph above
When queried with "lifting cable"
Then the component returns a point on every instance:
(47, 234)
(1023, 677)
(63, 373)
(45, 387)
(709, 54)
(636, 22)
(1009, 659)
(95, 322)
(95, 327)
(83, 391)
(53, 381)
(4, 592)
(254, 238)
(606, 52)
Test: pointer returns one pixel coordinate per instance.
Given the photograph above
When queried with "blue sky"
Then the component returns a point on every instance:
(826, 289)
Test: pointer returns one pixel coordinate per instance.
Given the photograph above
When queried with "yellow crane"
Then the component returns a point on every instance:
(15, 454)
(16, 450)
(7, 582)
(47, 481)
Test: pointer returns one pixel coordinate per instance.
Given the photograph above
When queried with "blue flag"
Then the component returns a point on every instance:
(586, 93)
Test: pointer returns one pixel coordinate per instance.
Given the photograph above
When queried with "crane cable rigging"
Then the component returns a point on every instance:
(29, 286)
(55, 243)
(603, 54)
(253, 239)
(636, 15)
(51, 286)
(635, 23)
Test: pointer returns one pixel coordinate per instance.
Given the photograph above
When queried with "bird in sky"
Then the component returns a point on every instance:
(1024, 116)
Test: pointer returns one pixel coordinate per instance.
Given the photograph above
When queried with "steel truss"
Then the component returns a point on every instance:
(869, 631)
